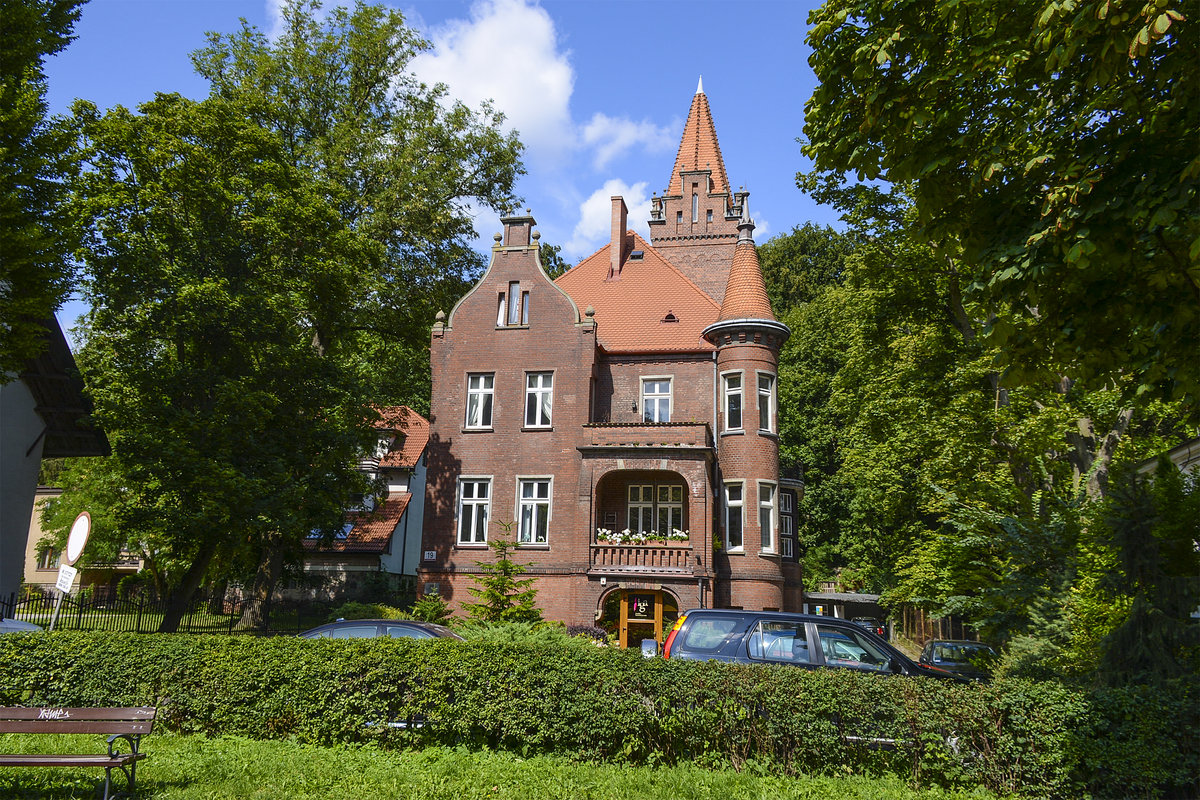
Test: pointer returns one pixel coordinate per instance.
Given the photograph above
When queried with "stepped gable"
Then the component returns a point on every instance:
(648, 306)
(746, 291)
(698, 149)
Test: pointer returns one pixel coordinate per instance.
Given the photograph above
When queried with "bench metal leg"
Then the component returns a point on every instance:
(130, 773)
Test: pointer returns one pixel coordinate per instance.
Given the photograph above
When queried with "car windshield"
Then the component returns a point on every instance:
(961, 653)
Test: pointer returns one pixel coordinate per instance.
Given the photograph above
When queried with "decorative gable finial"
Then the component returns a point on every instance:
(700, 85)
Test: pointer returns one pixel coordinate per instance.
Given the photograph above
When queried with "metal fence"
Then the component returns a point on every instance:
(142, 614)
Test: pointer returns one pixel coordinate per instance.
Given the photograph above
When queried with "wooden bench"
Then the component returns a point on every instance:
(124, 725)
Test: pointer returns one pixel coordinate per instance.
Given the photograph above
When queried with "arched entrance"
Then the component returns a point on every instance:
(635, 615)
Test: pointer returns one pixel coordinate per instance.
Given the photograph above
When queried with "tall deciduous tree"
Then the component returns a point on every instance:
(208, 257)
(263, 266)
(35, 272)
(1052, 147)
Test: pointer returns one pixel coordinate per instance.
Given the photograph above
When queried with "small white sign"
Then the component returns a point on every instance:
(430, 555)
(66, 577)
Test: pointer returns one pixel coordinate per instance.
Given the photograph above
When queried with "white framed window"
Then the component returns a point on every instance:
(534, 510)
(785, 502)
(733, 516)
(785, 546)
(785, 522)
(641, 508)
(766, 402)
(656, 399)
(539, 398)
(670, 509)
(474, 501)
(480, 390)
(512, 308)
(766, 515)
(733, 401)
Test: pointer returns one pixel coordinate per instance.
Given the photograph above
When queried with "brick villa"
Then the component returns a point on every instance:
(620, 421)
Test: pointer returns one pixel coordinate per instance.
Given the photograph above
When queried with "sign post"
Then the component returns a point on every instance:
(80, 529)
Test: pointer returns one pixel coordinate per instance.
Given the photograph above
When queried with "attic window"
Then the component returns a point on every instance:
(344, 533)
(636, 255)
(670, 317)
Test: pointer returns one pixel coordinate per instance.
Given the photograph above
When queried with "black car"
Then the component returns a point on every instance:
(871, 624)
(773, 637)
(959, 656)
(371, 628)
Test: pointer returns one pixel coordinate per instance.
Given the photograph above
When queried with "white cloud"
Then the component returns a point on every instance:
(595, 216)
(507, 52)
(612, 136)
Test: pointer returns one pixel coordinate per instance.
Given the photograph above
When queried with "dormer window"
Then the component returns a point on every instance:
(512, 307)
(670, 317)
(636, 255)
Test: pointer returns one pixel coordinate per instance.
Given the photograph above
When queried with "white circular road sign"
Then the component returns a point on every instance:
(78, 537)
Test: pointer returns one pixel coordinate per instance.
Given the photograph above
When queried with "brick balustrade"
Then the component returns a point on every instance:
(642, 558)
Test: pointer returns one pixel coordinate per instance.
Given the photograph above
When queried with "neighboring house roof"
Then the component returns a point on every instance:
(746, 292)
(698, 149)
(59, 400)
(413, 431)
(1185, 456)
(649, 307)
(369, 531)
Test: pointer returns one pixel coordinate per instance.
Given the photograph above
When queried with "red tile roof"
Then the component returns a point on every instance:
(746, 292)
(413, 431)
(371, 531)
(634, 311)
(698, 149)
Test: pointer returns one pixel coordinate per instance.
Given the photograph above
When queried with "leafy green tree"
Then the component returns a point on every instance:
(400, 162)
(211, 264)
(1152, 526)
(35, 155)
(504, 596)
(552, 260)
(263, 266)
(1050, 149)
(801, 264)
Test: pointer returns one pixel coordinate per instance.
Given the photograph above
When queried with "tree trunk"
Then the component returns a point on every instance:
(181, 596)
(257, 612)
(216, 597)
(1091, 459)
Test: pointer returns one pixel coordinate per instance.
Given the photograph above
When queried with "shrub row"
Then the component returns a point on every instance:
(1024, 738)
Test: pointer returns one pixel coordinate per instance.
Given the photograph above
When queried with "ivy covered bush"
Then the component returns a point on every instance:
(1026, 738)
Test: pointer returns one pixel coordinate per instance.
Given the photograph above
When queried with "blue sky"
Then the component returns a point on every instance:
(598, 90)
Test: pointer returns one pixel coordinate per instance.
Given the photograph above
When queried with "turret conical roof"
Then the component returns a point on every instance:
(746, 291)
(698, 149)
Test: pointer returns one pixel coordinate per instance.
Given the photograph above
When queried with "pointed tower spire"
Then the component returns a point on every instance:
(698, 149)
(700, 86)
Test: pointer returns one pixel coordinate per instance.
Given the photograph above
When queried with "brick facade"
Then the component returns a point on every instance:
(597, 402)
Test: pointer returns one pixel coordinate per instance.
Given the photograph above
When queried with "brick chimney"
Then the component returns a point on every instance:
(616, 247)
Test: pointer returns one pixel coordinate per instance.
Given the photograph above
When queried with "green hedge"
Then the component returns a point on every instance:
(1029, 739)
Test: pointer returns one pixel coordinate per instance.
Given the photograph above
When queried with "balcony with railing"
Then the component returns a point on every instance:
(645, 435)
(676, 559)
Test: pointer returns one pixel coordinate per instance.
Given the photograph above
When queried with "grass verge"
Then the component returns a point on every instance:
(197, 768)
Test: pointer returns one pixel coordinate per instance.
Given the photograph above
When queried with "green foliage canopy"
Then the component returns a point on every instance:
(1052, 144)
(35, 237)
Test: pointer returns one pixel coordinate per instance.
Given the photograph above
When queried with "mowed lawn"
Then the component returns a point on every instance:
(197, 768)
